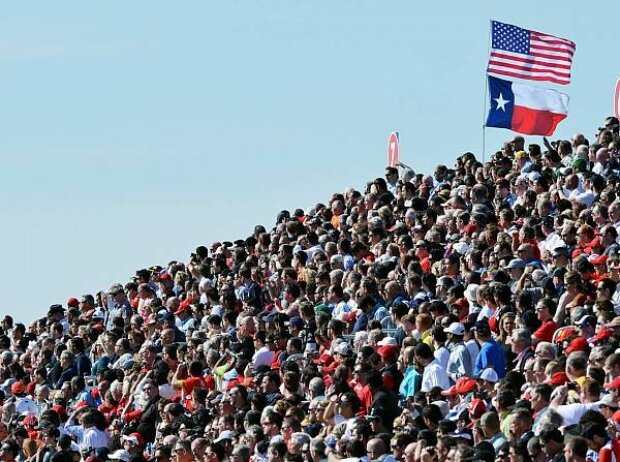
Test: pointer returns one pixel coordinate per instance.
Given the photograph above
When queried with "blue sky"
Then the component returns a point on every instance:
(133, 132)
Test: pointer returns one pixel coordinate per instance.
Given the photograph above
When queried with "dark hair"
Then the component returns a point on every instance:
(219, 450)
(279, 448)
(423, 351)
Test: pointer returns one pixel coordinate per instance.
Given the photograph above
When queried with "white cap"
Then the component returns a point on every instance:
(533, 176)
(489, 375)
(225, 435)
(388, 341)
(120, 454)
(471, 293)
(461, 247)
(443, 406)
(456, 328)
(310, 346)
(343, 348)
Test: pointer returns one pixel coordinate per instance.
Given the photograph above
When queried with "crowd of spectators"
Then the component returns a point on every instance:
(471, 315)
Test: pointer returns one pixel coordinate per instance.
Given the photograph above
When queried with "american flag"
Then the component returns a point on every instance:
(529, 55)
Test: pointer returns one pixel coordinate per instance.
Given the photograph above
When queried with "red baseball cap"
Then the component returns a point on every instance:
(601, 335)
(578, 344)
(182, 309)
(17, 387)
(73, 302)
(452, 391)
(565, 334)
(557, 379)
(60, 410)
(324, 359)
(461, 304)
(476, 408)
(387, 350)
(164, 276)
(467, 386)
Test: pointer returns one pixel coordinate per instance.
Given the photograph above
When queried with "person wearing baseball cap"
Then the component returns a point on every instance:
(391, 375)
(133, 444)
(24, 406)
(460, 362)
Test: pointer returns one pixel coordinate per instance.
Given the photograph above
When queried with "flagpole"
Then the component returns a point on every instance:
(484, 119)
(486, 90)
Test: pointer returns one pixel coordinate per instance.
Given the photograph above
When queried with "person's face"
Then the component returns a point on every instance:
(602, 293)
(167, 337)
(508, 324)
(150, 391)
(179, 453)
(272, 455)
(409, 453)
(513, 456)
(236, 456)
(569, 455)
(41, 395)
(344, 406)
(542, 313)
(517, 427)
(226, 406)
(66, 390)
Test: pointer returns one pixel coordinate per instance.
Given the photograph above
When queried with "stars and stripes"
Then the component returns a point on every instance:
(529, 55)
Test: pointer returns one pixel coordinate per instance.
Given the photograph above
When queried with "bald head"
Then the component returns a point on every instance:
(375, 448)
(602, 155)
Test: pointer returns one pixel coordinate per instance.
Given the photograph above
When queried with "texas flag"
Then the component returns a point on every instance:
(524, 108)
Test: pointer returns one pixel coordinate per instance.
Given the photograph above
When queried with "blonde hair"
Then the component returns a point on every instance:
(29, 446)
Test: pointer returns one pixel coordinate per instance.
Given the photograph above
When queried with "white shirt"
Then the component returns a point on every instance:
(94, 438)
(552, 241)
(121, 362)
(350, 423)
(571, 413)
(263, 357)
(586, 197)
(26, 406)
(87, 438)
(442, 354)
(434, 376)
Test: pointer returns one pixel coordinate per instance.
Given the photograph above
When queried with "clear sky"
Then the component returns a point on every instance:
(133, 131)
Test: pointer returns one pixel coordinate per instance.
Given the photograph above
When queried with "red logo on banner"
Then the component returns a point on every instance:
(617, 99)
(393, 152)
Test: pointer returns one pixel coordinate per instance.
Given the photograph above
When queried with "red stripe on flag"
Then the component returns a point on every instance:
(552, 40)
(519, 75)
(553, 49)
(530, 69)
(535, 122)
(496, 54)
(546, 56)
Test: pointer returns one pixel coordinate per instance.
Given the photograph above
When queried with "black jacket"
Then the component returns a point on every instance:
(385, 405)
(148, 421)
